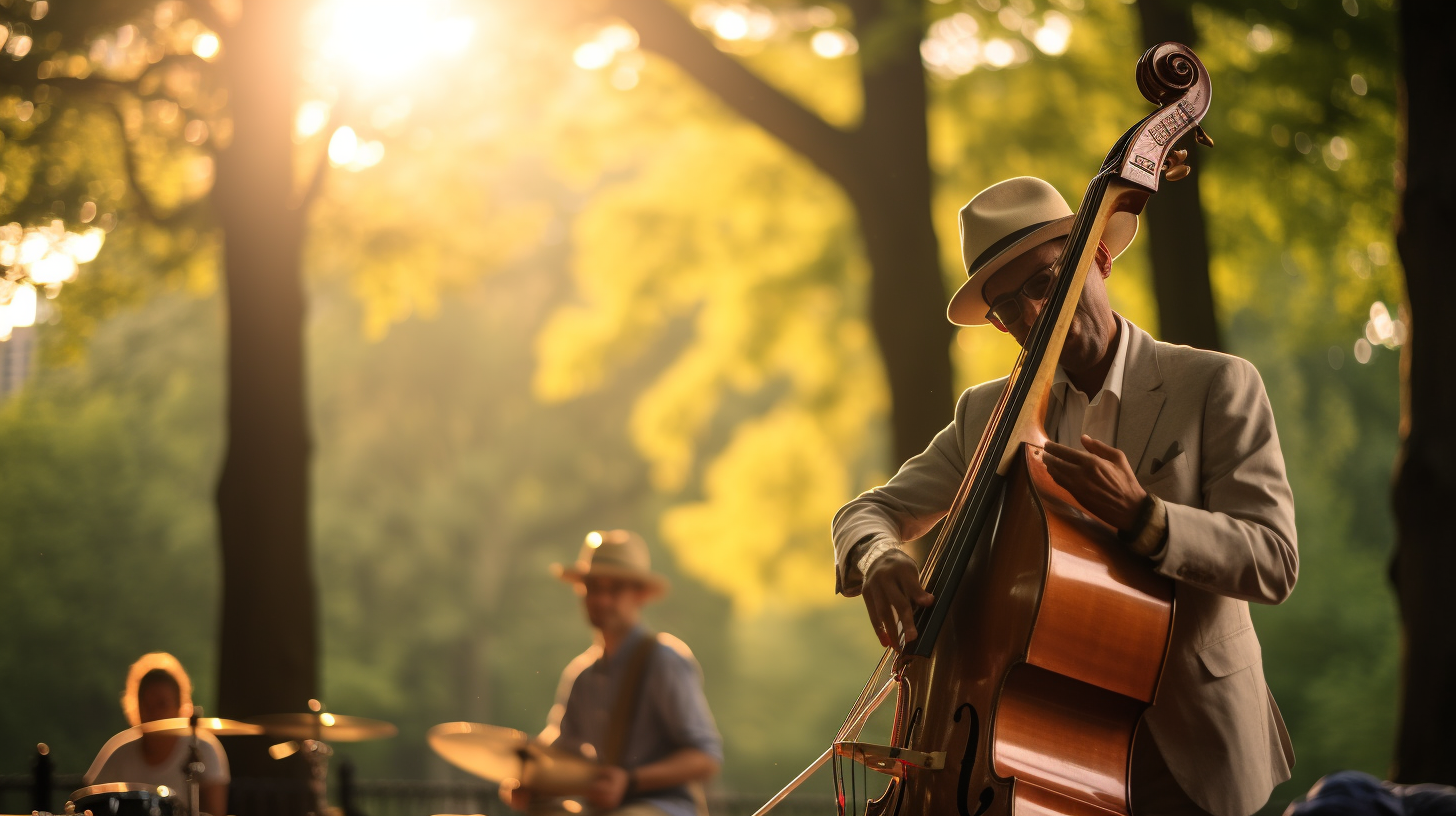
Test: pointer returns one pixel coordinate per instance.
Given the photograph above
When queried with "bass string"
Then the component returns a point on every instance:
(949, 549)
(839, 783)
(951, 545)
(866, 696)
(952, 538)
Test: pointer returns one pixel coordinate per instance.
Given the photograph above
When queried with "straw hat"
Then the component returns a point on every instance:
(1008, 218)
(613, 554)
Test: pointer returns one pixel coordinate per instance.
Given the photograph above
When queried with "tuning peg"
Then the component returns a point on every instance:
(1201, 136)
(1176, 167)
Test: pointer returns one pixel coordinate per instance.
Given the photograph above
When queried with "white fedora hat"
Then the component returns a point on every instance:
(1008, 218)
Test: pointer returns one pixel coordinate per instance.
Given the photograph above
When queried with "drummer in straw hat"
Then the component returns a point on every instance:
(634, 700)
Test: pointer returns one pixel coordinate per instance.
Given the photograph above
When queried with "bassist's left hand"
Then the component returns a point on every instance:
(1100, 479)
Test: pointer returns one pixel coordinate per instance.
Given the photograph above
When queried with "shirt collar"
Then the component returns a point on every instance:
(628, 645)
(1115, 374)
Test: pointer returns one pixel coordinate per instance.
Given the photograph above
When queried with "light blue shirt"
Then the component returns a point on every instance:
(671, 711)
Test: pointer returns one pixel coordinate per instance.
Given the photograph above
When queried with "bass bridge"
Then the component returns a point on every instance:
(887, 759)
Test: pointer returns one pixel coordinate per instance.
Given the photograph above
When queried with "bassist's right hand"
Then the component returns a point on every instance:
(891, 592)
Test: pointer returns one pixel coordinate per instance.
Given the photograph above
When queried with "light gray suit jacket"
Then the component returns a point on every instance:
(1197, 428)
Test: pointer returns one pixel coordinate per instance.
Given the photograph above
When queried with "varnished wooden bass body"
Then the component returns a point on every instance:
(1037, 690)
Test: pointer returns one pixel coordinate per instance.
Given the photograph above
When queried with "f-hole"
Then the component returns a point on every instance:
(968, 761)
(904, 742)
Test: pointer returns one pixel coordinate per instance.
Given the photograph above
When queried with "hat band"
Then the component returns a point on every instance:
(1005, 243)
(612, 563)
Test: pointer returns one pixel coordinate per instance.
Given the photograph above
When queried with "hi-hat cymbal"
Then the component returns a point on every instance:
(182, 726)
(497, 754)
(179, 727)
(324, 726)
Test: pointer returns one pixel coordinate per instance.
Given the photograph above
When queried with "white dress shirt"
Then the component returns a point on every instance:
(1072, 414)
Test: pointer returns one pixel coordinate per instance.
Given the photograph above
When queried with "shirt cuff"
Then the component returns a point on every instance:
(1148, 536)
(872, 552)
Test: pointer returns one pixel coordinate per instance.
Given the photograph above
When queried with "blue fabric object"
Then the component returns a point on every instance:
(1349, 793)
(1427, 800)
(671, 714)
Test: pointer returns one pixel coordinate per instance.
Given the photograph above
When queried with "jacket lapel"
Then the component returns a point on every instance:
(1141, 398)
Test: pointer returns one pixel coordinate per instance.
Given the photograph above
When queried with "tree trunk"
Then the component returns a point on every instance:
(1425, 481)
(884, 168)
(892, 194)
(269, 642)
(1177, 237)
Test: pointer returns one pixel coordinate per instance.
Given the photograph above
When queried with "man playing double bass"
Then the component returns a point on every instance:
(1174, 447)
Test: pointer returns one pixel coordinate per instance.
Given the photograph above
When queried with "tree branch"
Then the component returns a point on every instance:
(204, 11)
(304, 197)
(664, 30)
(128, 162)
(144, 201)
(338, 112)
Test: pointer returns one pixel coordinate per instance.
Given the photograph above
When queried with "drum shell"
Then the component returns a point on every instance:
(121, 800)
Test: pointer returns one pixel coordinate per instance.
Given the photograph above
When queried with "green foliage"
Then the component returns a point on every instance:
(106, 123)
(757, 260)
(1301, 197)
(106, 549)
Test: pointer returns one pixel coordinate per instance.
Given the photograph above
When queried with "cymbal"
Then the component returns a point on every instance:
(182, 726)
(497, 754)
(178, 727)
(323, 726)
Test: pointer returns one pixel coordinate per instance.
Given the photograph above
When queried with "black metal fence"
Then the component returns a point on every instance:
(381, 797)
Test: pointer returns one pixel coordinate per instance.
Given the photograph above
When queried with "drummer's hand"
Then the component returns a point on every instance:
(892, 590)
(1100, 479)
(608, 788)
(513, 794)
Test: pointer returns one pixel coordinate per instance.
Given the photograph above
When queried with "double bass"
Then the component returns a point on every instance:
(1047, 638)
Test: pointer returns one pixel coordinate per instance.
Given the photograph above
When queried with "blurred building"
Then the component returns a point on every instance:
(16, 356)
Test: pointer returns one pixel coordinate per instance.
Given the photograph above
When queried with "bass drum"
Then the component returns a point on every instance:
(123, 799)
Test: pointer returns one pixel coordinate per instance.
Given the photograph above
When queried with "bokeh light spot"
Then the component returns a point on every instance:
(1054, 34)
(206, 45)
(731, 24)
(999, 53)
(832, 43)
(312, 117)
(343, 146)
(592, 56)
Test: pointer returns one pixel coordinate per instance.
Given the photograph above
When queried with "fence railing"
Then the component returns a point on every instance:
(381, 797)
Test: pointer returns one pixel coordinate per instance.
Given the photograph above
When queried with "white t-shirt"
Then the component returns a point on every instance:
(127, 764)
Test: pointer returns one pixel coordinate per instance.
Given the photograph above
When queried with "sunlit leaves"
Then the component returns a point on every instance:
(710, 236)
(758, 535)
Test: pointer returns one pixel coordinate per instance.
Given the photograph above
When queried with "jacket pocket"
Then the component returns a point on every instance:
(1231, 653)
(1175, 466)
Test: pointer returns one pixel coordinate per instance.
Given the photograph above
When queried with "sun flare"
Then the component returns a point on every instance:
(374, 40)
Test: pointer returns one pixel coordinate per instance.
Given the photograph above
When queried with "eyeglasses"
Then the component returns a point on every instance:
(1007, 310)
